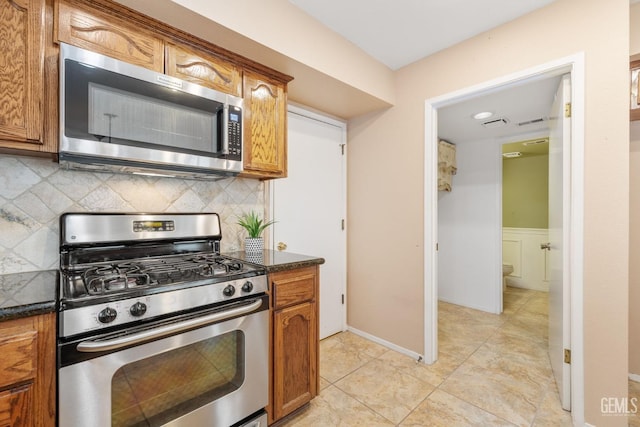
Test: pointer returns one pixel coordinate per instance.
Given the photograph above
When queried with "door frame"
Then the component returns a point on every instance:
(313, 115)
(575, 65)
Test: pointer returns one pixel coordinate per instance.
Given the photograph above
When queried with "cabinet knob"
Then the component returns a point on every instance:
(281, 246)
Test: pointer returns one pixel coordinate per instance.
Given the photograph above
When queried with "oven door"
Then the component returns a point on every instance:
(216, 374)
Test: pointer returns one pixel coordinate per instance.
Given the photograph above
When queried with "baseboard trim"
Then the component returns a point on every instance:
(386, 343)
(634, 377)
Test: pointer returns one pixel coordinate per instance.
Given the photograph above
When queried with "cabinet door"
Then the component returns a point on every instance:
(203, 69)
(295, 355)
(22, 29)
(28, 371)
(15, 406)
(265, 124)
(109, 36)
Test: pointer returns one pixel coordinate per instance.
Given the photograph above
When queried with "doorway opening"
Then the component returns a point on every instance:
(525, 213)
(573, 65)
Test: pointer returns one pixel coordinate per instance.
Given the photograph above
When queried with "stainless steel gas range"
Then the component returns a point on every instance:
(156, 327)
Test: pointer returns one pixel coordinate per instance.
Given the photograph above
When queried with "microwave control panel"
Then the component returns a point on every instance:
(234, 128)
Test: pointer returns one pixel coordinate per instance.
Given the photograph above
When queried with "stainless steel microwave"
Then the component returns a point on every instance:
(118, 117)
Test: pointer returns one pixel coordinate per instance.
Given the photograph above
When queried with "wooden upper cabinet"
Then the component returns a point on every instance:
(265, 124)
(110, 37)
(203, 69)
(22, 46)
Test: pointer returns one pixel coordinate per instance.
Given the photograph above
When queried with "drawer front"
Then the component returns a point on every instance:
(293, 287)
(18, 357)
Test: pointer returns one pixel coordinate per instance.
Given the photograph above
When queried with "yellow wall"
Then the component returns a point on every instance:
(385, 191)
(525, 192)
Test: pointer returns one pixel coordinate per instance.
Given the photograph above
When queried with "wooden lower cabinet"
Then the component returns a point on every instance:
(27, 371)
(295, 353)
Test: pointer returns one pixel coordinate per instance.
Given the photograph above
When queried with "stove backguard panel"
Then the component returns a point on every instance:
(37, 191)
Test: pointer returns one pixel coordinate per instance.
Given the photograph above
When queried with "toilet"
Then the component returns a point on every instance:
(507, 269)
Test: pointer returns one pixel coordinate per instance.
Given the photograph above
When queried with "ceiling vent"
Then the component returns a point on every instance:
(532, 122)
(496, 123)
(512, 154)
(535, 142)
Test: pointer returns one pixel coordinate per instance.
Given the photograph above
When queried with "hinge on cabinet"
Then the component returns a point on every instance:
(343, 299)
(567, 109)
(342, 148)
(342, 224)
(567, 356)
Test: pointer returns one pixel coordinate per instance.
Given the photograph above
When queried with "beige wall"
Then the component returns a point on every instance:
(634, 30)
(388, 303)
(634, 214)
(525, 192)
(634, 255)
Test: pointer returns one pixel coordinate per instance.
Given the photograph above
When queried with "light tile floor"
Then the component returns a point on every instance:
(634, 392)
(493, 370)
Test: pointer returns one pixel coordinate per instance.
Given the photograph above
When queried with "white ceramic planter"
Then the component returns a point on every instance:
(253, 245)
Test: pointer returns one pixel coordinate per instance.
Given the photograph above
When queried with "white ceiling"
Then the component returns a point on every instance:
(399, 32)
(516, 104)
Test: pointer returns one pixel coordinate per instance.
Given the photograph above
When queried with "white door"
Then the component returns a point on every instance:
(559, 280)
(310, 204)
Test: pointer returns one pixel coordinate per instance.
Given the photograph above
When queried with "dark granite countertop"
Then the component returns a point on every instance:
(28, 294)
(277, 260)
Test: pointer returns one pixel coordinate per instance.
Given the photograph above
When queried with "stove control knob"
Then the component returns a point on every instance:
(138, 309)
(229, 291)
(247, 287)
(107, 315)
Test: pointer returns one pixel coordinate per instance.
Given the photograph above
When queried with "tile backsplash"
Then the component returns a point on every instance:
(34, 192)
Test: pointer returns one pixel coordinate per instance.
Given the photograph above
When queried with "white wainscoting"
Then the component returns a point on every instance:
(521, 248)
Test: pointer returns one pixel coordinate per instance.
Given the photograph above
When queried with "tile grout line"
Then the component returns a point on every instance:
(508, 319)
(496, 330)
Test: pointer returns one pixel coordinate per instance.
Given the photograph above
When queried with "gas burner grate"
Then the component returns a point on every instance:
(229, 265)
(136, 274)
(114, 278)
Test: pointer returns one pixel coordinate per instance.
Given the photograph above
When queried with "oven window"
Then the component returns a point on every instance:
(161, 388)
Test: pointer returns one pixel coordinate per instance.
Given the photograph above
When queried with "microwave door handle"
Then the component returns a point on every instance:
(225, 129)
(163, 331)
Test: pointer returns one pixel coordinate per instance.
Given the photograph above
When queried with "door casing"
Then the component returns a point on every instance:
(575, 65)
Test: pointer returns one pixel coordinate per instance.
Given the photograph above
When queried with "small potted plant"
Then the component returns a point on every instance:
(254, 225)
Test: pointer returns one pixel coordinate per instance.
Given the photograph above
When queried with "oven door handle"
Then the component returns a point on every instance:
(136, 338)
